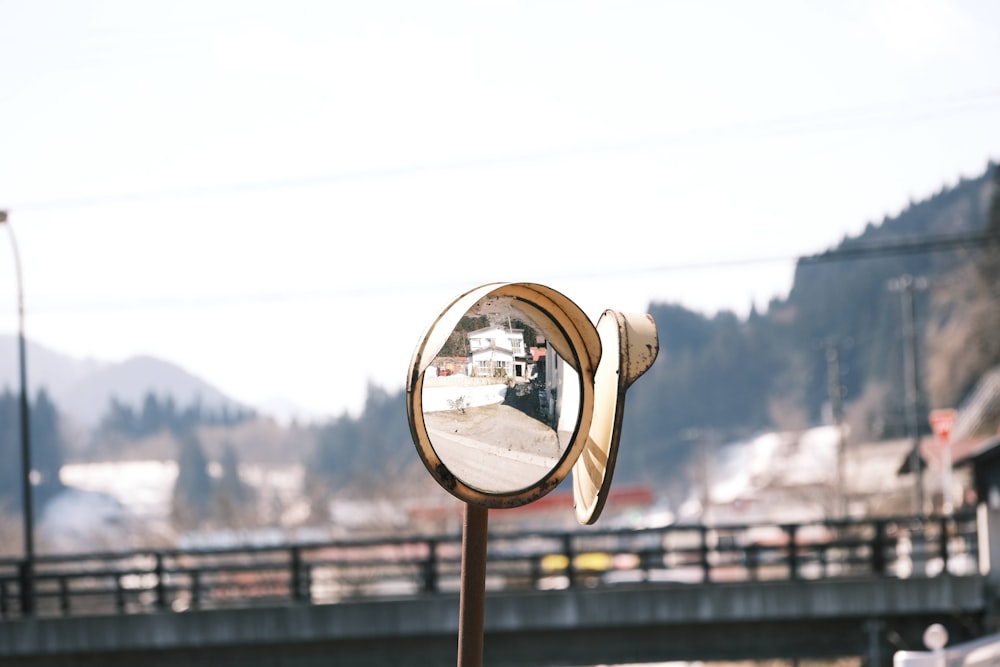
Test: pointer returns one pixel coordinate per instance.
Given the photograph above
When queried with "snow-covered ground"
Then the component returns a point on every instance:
(80, 520)
(794, 477)
(779, 477)
(740, 482)
(144, 487)
(117, 505)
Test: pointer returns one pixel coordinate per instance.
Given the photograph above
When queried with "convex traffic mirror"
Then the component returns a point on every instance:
(500, 391)
(501, 395)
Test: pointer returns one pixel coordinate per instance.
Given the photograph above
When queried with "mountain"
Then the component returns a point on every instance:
(83, 389)
(45, 367)
(718, 379)
(843, 326)
(723, 378)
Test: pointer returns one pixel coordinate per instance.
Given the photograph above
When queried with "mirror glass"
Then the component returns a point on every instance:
(500, 405)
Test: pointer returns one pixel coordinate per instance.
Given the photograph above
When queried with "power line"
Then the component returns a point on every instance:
(921, 245)
(804, 124)
(929, 244)
(847, 252)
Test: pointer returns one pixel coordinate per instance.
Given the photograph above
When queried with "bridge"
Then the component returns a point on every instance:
(818, 590)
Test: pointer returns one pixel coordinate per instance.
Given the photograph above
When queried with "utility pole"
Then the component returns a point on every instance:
(705, 454)
(701, 440)
(836, 391)
(905, 286)
(27, 573)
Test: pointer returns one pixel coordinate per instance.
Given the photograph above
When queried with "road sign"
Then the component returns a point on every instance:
(942, 421)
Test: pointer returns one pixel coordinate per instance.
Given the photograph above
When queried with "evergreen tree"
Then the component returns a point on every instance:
(457, 344)
(162, 414)
(151, 418)
(233, 501)
(966, 343)
(358, 452)
(193, 488)
(230, 483)
(119, 419)
(46, 448)
(10, 449)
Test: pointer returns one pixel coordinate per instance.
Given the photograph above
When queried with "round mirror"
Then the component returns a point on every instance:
(500, 393)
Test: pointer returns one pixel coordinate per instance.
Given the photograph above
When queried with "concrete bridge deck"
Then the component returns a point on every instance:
(608, 625)
(596, 597)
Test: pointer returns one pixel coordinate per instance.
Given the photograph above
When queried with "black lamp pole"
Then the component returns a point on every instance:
(27, 509)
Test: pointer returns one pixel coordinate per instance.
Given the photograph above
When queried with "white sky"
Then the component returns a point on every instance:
(281, 196)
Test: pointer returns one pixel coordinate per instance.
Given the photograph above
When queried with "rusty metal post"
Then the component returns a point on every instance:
(472, 597)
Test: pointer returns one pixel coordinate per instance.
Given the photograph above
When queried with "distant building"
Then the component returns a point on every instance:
(445, 366)
(498, 352)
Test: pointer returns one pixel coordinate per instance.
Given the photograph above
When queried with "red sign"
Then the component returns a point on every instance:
(942, 421)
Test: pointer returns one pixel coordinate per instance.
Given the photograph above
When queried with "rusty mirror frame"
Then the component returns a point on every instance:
(575, 339)
(630, 344)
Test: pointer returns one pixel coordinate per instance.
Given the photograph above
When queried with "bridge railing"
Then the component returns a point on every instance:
(318, 573)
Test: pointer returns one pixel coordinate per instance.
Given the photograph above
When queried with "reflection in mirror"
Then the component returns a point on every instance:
(499, 403)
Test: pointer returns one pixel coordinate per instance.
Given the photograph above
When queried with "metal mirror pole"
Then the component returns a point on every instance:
(472, 597)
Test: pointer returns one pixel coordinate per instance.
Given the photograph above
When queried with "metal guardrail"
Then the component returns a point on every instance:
(148, 581)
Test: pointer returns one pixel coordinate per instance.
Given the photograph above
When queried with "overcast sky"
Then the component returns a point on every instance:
(281, 196)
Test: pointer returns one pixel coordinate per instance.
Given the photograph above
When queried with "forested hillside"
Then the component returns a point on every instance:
(717, 378)
(723, 377)
(46, 448)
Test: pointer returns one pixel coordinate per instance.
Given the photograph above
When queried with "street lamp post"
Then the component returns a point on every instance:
(27, 509)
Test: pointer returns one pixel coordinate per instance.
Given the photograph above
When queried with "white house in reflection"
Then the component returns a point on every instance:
(498, 352)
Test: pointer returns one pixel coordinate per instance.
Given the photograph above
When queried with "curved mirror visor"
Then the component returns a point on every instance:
(500, 404)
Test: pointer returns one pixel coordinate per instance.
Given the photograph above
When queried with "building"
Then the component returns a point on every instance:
(498, 352)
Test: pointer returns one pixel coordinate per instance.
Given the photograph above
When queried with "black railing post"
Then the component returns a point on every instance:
(706, 566)
(878, 547)
(567, 541)
(25, 585)
(752, 554)
(793, 554)
(536, 572)
(943, 543)
(119, 595)
(64, 595)
(195, 589)
(426, 563)
(295, 576)
(430, 568)
(650, 559)
(161, 585)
